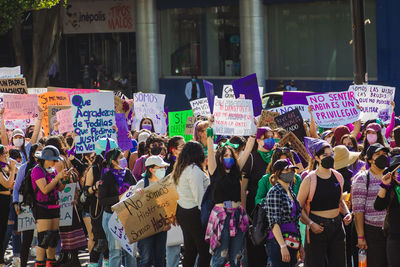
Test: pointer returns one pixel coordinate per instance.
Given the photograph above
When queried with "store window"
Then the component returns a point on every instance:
(312, 40)
(200, 41)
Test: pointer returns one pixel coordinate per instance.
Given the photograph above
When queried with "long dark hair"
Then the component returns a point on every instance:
(192, 153)
(55, 141)
(31, 162)
(221, 170)
(152, 124)
(366, 144)
(110, 156)
(352, 139)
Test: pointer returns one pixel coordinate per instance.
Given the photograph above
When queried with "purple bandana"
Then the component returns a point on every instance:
(119, 175)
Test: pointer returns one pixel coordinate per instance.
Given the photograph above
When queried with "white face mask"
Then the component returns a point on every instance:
(160, 173)
(18, 142)
(51, 170)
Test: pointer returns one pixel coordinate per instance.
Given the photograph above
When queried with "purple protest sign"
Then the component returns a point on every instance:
(296, 98)
(124, 142)
(209, 88)
(248, 86)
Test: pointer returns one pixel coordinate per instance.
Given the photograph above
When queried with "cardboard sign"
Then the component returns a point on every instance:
(52, 117)
(267, 118)
(191, 122)
(292, 122)
(209, 89)
(51, 99)
(296, 98)
(119, 233)
(13, 86)
(292, 139)
(233, 117)
(20, 107)
(248, 87)
(124, 142)
(66, 197)
(64, 118)
(334, 109)
(374, 101)
(302, 108)
(152, 106)
(10, 72)
(177, 123)
(200, 107)
(149, 213)
(37, 91)
(94, 118)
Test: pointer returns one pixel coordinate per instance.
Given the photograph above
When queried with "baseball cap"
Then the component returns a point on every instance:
(283, 164)
(155, 160)
(143, 137)
(375, 148)
(18, 132)
(374, 127)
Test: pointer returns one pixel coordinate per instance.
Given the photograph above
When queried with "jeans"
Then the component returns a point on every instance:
(12, 232)
(376, 242)
(275, 255)
(152, 250)
(231, 248)
(115, 251)
(173, 255)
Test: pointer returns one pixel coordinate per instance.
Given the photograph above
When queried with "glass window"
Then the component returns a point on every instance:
(200, 41)
(312, 40)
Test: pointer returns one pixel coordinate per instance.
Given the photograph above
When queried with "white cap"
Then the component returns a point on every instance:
(143, 137)
(156, 160)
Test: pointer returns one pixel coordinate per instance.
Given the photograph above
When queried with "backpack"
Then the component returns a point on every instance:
(26, 188)
(207, 204)
(259, 231)
(313, 186)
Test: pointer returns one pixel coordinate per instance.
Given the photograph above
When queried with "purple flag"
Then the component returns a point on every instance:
(124, 142)
(248, 86)
(296, 98)
(209, 88)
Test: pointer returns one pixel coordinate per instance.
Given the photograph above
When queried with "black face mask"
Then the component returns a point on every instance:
(155, 151)
(381, 162)
(327, 162)
(70, 141)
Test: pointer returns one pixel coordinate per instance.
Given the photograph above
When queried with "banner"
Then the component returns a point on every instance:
(209, 89)
(292, 122)
(13, 86)
(65, 198)
(124, 142)
(100, 17)
(118, 232)
(302, 108)
(296, 98)
(37, 91)
(20, 107)
(51, 99)
(152, 106)
(374, 101)
(177, 123)
(72, 91)
(200, 107)
(149, 213)
(10, 72)
(52, 117)
(233, 117)
(64, 118)
(94, 118)
(334, 109)
(248, 86)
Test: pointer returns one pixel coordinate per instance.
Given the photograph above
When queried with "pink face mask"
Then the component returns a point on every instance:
(372, 138)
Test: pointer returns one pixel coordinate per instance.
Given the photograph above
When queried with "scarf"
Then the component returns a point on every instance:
(266, 156)
(120, 175)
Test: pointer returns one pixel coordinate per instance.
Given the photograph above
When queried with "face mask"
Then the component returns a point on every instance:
(329, 139)
(70, 141)
(18, 142)
(155, 151)
(147, 127)
(328, 162)
(228, 163)
(381, 162)
(287, 177)
(51, 170)
(350, 148)
(160, 173)
(269, 143)
(372, 138)
(123, 163)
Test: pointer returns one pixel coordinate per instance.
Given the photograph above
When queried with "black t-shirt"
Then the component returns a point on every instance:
(391, 203)
(225, 188)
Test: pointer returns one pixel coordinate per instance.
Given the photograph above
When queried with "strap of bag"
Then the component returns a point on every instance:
(311, 192)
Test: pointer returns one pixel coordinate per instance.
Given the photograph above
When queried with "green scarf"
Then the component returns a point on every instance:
(397, 190)
(266, 156)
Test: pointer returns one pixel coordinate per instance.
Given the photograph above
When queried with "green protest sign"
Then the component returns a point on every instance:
(177, 123)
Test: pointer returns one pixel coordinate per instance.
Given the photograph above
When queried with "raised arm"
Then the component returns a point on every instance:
(212, 163)
(38, 127)
(4, 137)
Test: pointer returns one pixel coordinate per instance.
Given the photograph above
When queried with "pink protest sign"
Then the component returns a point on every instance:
(64, 118)
(72, 91)
(20, 106)
(334, 109)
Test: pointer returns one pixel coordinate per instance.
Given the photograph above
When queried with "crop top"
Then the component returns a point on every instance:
(2, 188)
(327, 194)
(226, 188)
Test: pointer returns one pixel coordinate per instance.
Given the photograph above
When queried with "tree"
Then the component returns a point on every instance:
(46, 34)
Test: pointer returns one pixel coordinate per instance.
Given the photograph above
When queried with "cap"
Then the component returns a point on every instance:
(143, 137)
(156, 160)
(18, 132)
(104, 144)
(375, 148)
(343, 157)
(340, 131)
(283, 164)
(49, 153)
(313, 145)
(394, 163)
(325, 134)
(374, 127)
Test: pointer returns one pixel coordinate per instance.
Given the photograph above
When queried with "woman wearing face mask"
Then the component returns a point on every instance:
(113, 184)
(351, 143)
(227, 216)
(152, 249)
(283, 212)
(373, 136)
(46, 183)
(147, 124)
(325, 236)
(175, 145)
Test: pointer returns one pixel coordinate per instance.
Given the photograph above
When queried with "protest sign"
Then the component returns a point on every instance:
(123, 105)
(200, 107)
(191, 122)
(66, 197)
(267, 119)
(227, 91)
(292, 122)
(248, 87)
(72, 91)
(374, 101)
(143, 215)
(13, 86)
(124, 142)
(291, 138)
(233, 117)
(64, 118)
(18, 124)
(52, 117)
(37, 91)
(296, 98)
(19, 107)
(209, 89)
(10, 72)
(334, 109)
(152, 106)
(177, 123)
(94, 118)
(302, 108)
(25, 218)
(118, 232)
(51, 99)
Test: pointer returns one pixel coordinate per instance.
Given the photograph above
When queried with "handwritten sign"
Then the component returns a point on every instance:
(292, 122)
(200, 107)
(191, 122)
(119, 233)
(334, 109)
(302, 108)
(149, 213)
(177, 123)
(52, 117)
(233, 117)
(64, 118)
(66, 197)
(72, 91)
(152, 106)
(10, 72)
(25, 218)
(37, 91)
(267, 118)
(13, 86)
(124, 142)
(51, 99)
(19, 107)
(374, 101)
(227, 91)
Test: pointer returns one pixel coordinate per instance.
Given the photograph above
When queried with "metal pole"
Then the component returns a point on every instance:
(359, 50)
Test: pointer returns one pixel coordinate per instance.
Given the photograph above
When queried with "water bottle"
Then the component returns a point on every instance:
(362, 258)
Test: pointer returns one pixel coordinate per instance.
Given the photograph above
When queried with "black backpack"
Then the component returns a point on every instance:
(27, 191)
(259, 230)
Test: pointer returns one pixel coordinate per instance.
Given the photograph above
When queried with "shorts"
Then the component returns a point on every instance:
(85, 214)
(42, 213)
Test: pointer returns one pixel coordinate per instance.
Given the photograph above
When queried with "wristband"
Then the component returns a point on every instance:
(283, 246)
(385, 186)
(310, 223)
(210, 132)
(361, 237)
